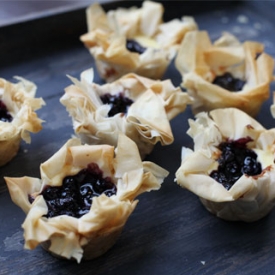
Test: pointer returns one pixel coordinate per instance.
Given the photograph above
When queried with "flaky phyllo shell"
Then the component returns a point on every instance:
(19, 98)
(108, 32)
(94, 233)
(272, 107)
(147, 120)
(251, 197)
(199, 61)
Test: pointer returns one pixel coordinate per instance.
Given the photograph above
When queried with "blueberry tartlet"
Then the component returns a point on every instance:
(17, 116)
(139, 107)
(86, 193)
(226, 73)
(231, 167)
(133, 40)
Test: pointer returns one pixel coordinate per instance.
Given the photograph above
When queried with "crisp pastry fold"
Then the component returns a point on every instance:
(147, 120)
(108, 32)
(200, 61)
(272, 106)
(19, 98)
(92, 234)
(251, 197)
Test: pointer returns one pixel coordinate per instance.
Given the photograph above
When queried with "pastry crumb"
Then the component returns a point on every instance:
(203, 262)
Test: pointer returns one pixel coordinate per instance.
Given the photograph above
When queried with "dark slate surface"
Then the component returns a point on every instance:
(170, 232)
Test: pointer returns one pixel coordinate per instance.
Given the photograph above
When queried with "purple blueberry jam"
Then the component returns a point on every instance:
(228, 82)
(235, 160)
(119, 103)
(74, 196)
(5, 116)
(134, 46)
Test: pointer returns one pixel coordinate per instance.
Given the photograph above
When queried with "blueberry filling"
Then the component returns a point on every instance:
(228, 82)
(5, 116)
(74, 196)
(119, 103)
(134, 46)
(235, 160)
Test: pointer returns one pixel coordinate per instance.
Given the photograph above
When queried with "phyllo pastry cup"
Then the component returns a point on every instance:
(226, 73)
(76, 232)
(133, 40)
(139, 107)
(17, 116)
(231, 168)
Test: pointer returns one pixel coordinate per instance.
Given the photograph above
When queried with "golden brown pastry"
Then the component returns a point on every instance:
(225, 73)
(139, 107)
(18, 117)
(231, 168)
(86, 193)
(133, 40)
